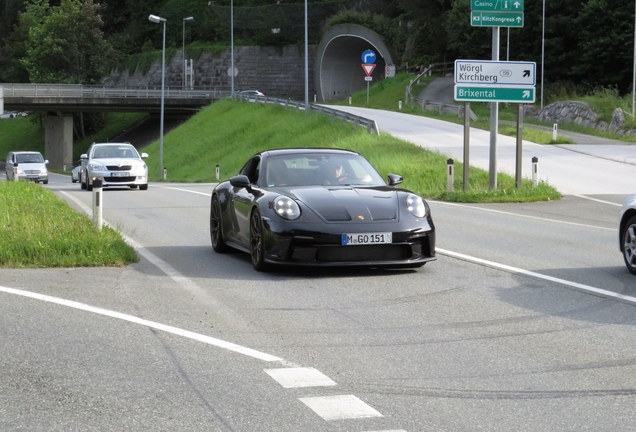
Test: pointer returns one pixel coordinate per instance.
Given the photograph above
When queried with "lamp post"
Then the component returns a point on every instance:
(306, 62)
(185, 81)
(232, 45)
(157, 19)
(542, 52)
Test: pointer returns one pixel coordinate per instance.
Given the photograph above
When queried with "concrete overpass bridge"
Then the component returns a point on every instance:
(61, 100)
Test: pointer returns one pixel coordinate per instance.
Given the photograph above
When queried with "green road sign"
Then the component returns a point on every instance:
(497, 5)
(496, 19)
(476, 93)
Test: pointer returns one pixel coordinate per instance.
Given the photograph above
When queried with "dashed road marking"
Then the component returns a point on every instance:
(340, 407)
(300, 377)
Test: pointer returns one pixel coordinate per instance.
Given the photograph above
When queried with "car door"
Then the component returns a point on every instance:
(243, 199)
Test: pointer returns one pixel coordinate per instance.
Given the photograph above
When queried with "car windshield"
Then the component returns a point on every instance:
(115, 151)
(29, 158)
(321, 169)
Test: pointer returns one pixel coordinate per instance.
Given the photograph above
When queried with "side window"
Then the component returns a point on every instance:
(252, 169)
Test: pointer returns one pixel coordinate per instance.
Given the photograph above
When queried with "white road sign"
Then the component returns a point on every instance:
(495, 72)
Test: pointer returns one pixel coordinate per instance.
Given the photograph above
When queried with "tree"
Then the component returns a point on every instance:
(68, 45)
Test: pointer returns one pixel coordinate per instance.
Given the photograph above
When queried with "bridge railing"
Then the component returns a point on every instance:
(88, 91)
(370, 125)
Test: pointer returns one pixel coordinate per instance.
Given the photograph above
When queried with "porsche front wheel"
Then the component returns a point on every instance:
(629, 244)
(216, 232)
(257, 247)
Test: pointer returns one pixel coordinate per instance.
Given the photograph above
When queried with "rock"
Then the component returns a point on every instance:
(618, 120)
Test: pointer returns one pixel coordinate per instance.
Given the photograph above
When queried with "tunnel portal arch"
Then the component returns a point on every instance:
(338, 66)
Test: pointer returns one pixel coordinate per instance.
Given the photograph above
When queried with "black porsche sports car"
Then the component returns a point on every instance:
(320, 207)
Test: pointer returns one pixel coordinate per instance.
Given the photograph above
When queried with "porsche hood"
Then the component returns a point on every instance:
(340, 204)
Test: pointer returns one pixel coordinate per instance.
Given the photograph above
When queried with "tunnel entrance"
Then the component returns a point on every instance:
(338, 70)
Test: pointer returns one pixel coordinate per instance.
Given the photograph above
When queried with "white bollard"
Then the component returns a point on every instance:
(97, 202)
(165, 173)
(554, 132)
(15, 171)
(535, 162)
(450, 179)
(349, 100)
(400, 104)
(218, 171)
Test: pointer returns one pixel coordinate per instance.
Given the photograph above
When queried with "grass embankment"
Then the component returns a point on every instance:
(40, 230)
(227, 133)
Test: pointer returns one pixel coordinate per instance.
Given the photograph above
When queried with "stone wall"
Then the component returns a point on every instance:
(276, 71)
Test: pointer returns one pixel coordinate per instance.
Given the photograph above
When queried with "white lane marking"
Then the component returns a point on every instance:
(186, 190)
(392, 430)
(340, 407)
(524, 216)
(300, 377)
(582, 287)
(135, 320)
(598, 200)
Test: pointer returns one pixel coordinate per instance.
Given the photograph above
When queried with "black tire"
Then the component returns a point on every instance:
(216, 229)
(133, 186)
(89, 187)
(45, 182)
(82, 183)
(143, 187)
(628, 237)
(257, 246)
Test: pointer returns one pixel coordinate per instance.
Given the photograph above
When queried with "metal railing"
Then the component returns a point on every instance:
(370, 125)
(89, 91)
(428, 104)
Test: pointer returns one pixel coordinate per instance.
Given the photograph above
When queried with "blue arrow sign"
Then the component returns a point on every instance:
(368, 57)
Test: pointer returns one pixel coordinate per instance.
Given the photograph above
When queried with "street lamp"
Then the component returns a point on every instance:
(232, 45)
(157, 19)
(185, 82)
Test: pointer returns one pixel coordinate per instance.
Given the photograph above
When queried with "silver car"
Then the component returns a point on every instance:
(29, 165)
(627, 233)
(117, 164)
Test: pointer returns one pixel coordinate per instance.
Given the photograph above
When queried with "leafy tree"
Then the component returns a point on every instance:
(68, 46)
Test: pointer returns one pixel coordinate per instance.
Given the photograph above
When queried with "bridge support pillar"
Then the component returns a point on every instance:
(58, 141)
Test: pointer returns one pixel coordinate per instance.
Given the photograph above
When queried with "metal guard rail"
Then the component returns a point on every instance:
(89, 91)
(369, 124)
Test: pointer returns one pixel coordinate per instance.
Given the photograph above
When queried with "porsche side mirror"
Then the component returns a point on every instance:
(395, 179)
(240, 181)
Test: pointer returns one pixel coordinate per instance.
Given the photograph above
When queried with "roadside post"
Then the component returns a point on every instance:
(535, 162)
(450, 175)
(97, 202)
(466, 145)
(15, 171)
(218, 171)
(519, 145)
(165, 173)
(554, 132)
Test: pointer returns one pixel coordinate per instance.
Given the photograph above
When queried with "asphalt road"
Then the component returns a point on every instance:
(525, 322)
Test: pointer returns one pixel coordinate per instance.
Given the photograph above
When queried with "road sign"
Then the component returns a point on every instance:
(497, 5)
(368, 78)
(477, 93)
(496, 19)
(495, 72)
(368, 69)
(368, 56)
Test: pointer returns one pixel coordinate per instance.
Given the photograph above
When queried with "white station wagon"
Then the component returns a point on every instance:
(117, 164)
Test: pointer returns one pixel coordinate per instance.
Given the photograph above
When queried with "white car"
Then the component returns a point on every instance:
(627, 233)
(75, 173)
(117, 164)
(29, 165)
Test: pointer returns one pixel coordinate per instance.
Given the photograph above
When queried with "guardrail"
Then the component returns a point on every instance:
(369, 124)
(89, 91)
(439, 106)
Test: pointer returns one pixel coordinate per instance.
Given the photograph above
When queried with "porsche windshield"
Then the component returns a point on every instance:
(321, 169)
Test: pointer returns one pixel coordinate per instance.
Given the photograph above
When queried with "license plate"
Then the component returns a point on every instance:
(120, 174)
(366, 238)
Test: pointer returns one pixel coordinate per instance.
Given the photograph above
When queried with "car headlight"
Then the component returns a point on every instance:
(286, 208)
(96, 166)
(416, 206)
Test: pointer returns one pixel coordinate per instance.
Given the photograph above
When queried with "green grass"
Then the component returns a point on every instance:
(227, 133)
(40, 230)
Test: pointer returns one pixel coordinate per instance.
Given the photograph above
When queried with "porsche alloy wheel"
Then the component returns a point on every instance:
(216, 234)
(629, 245)
(257, 248)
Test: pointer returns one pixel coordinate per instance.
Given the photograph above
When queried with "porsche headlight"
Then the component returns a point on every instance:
(416, 206)
(286, 208)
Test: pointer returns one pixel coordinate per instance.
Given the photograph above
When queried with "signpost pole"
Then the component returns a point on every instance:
(519, 145)
(494, 120)
(466, 143)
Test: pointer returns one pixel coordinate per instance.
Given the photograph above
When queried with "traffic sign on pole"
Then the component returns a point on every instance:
(368, 68)
(481, 93)
(496, 19)
(368, 56)
(495, 72)
(497, 5)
